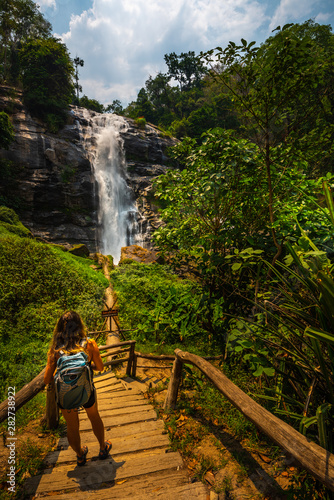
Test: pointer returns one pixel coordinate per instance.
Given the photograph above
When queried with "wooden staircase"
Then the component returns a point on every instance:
(141, 464)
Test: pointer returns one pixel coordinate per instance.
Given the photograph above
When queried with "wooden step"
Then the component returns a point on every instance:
(141, 465)
(97, 472)
(166, 485)
(110, 389)
(126, 431)
(104, 376)
(120, 445)
(122, 418)
(120, 396)
(110, 412)
(115, 403)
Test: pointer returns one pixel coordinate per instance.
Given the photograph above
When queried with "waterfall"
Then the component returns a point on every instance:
(117, 212)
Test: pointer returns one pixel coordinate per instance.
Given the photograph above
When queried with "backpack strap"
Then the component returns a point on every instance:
(83, 343)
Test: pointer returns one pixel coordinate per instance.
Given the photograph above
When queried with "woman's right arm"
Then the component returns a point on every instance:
(97, 363)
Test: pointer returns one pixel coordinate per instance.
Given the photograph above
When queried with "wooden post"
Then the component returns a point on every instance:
(131, 359)
(173, 386)
(52, 410)
(134, 365)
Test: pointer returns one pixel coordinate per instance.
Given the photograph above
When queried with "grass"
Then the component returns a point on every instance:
(38, 282)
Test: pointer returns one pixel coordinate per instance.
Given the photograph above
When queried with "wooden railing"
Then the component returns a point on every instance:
(313, 458)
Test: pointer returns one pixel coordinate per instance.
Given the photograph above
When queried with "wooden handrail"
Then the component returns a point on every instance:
(116, 352)
(318, 461)
(119, 344)
(24, 395)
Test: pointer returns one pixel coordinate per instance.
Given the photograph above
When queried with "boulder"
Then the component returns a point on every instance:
(139, 254)
(79, 250)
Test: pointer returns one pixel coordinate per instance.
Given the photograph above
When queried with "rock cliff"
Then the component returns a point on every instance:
(50, 180)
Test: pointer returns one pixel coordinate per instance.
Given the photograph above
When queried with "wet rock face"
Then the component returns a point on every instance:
(54, 183)
(146, 154)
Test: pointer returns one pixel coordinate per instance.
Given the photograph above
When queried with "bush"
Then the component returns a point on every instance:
(10, 223)
(6, 131)
(141, 122)
(162, 308)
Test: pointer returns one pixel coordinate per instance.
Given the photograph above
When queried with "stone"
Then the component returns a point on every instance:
(138, 254)
(79, 250)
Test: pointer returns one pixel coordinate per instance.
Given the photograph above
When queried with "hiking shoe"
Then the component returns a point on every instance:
(105, 453)
(81, 460)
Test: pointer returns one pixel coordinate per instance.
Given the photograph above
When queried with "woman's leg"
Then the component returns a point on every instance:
(97, 424)
(73, 434)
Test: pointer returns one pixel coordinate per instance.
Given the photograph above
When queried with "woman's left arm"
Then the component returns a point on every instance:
(50, 368)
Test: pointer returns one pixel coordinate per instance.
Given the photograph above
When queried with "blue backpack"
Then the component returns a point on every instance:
(73, 380)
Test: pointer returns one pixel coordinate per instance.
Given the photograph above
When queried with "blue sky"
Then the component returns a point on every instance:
(123, 42)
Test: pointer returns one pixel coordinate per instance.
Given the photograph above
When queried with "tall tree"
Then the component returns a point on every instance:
(282, 95)
(47, 79)
(187, 69)
(19, 21)
(77, 62)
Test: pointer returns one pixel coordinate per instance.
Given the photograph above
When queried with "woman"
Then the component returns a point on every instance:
(69, 336)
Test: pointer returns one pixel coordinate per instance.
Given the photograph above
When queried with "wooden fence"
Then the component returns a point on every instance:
(313, 458)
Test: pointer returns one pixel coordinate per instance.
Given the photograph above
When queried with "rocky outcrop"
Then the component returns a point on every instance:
(139, 254)
(54, 188)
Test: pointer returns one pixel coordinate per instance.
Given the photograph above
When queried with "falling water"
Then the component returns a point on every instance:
(117, 212)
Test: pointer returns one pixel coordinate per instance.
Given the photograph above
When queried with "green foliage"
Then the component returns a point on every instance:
(187, 110)
(115, 107)
(20, 20)
(214, 208)
(10, 223)
(186, 68)
(92, 104)
(141, 122)
(283, 90)
(293, 336)
(38, 282)
(6, 131)
(67, 173)
(47, 80)
(162, 308)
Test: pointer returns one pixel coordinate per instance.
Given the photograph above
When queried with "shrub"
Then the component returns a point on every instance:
(141, 122)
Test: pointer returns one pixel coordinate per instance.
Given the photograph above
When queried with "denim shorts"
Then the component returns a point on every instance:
(91, 400)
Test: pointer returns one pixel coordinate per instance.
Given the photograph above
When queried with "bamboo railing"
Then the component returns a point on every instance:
(316, 460)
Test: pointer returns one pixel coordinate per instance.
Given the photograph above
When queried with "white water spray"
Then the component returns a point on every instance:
(117, 212)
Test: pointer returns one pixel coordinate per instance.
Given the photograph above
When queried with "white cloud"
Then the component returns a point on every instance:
(322, 17)
(291, 9)
(122, 43)
(47, 3)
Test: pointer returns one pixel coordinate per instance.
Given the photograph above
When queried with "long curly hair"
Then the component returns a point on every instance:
(68, 334)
